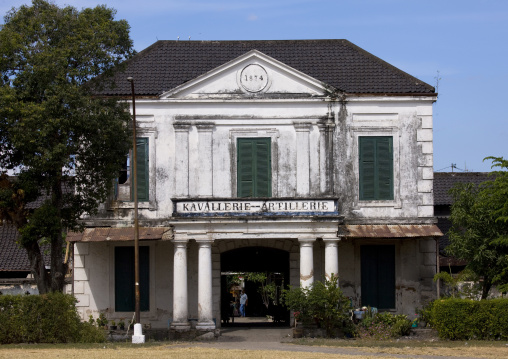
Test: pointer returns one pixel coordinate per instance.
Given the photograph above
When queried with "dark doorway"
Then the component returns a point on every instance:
(240, 263)
(378, 276)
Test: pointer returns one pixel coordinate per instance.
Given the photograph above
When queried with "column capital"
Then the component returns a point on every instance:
(302, 126)
(331, 242)
(180, 243)
(204, 242)
(181, 127)
(205, 126)
(306, 241)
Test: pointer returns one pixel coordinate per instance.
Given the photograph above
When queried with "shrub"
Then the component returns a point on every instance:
(401, 327)
(384, 326)
(323, 304)
(48, 318)
(468, 319)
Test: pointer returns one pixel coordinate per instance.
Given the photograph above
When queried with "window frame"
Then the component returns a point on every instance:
(271, 133)
(257, 159)
(394, 132)
(151, 204)
(376, 188)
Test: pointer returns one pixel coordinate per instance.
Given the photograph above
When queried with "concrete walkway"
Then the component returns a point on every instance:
(243, 336)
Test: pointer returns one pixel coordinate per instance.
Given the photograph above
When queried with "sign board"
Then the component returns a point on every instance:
(246, 207)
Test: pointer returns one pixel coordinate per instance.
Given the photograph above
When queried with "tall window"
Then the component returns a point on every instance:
(125, 189)
(124, 279)
(376, 168)
(378, 276)
(142, 169)
(254, 167)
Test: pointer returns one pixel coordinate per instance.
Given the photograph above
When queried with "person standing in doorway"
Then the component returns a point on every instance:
(244, 300)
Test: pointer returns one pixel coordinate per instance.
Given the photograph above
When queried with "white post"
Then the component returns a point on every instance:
(138, 337)
(331, 258)
(306, 262)
(180, 304)
(205, 299)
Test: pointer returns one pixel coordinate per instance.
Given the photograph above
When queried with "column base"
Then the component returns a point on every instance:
(206, 325)
(181, 326)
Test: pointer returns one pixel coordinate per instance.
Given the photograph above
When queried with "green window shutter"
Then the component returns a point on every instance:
(142, 169)
(376, 168)
(367, 168)
(245, 168)
(263, 166)
(384, 151)
(378, 276)
(124, 279)
(254, 166)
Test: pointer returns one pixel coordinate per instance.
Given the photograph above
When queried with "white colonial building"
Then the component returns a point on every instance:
(305, 158)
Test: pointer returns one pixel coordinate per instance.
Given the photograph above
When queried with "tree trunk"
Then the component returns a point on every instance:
(37, 267)
(58, 268)
(487, 284)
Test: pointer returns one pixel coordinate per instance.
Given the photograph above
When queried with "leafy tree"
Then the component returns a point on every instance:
(479, 229)
(64, 144)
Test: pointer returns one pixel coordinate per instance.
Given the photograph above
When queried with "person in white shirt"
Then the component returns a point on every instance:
(244, 300)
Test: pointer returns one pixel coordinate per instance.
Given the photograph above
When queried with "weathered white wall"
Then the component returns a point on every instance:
(94, 281)
(415, 266)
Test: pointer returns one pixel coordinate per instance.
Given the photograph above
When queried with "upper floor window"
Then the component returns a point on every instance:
(125, 190)
(376, 168)
(254, 167)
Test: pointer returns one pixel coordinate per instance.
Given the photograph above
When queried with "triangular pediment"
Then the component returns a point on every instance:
(253, 74)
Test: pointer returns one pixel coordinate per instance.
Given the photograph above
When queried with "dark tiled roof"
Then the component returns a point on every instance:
(444, 225)
(338, 63)
(12, 256)
(444, 181)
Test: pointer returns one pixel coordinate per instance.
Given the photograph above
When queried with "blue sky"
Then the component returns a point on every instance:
(463, 43)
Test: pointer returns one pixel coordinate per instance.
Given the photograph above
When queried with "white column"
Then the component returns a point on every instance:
(182, 159)
(306, 262)
(302, 158)
(205, 300)
(205, 148)
(331, 258)
(180, 303)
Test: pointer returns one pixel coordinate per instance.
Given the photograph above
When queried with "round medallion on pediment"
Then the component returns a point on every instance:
(253, 78)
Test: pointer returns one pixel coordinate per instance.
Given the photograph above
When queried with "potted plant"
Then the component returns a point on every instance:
(113, 325)
(102, 322)
(121, 324)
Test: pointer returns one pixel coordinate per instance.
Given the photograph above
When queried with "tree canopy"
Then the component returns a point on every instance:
(64, 144)
(479, 232)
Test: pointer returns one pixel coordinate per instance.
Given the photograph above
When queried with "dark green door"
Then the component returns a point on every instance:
(124, 279)
(378, 276)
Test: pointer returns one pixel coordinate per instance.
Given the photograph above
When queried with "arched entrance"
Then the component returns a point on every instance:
(237, 272)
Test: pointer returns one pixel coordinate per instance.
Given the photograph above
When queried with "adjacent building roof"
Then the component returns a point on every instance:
(444, 181)
(338, 63)
(12, 257)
